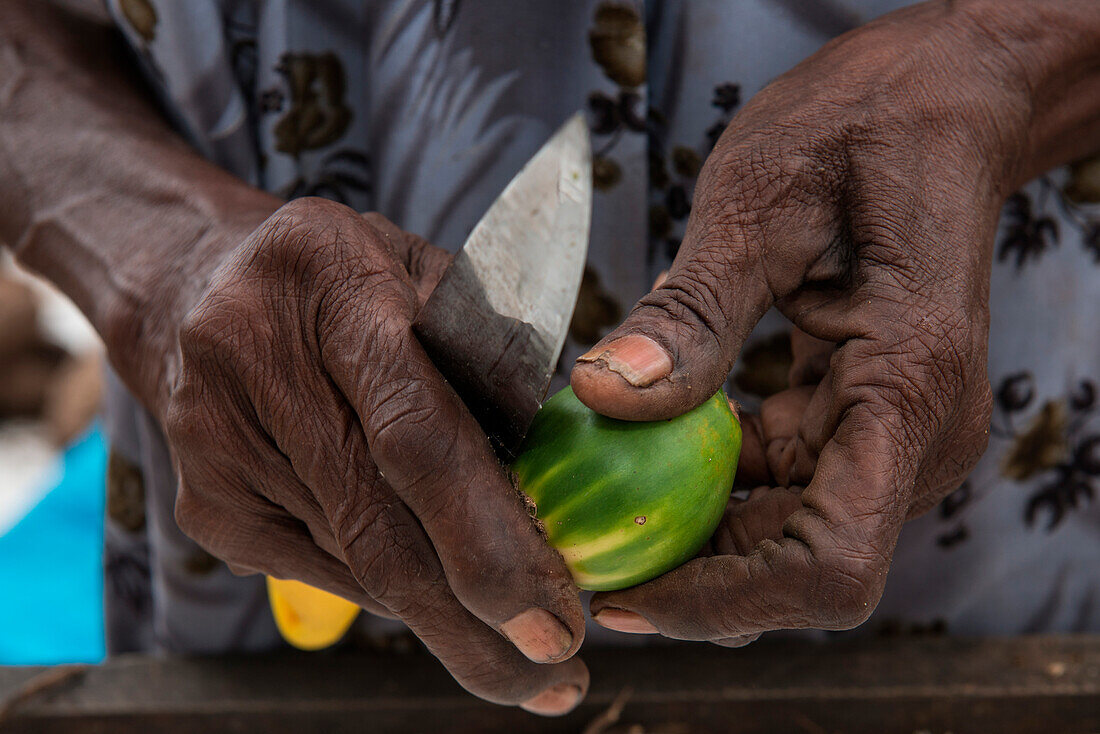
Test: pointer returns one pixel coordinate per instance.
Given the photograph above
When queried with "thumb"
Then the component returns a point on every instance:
(678, 344)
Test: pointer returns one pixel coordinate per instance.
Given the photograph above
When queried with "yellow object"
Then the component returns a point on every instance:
(308, 618)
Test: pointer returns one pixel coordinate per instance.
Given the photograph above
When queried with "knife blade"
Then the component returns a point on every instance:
(496, 323)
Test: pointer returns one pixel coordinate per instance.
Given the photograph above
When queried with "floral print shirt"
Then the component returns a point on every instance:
(424, 109)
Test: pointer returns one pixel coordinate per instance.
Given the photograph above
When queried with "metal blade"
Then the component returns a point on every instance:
(496, 323)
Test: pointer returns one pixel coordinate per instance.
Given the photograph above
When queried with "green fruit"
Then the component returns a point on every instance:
(624, 502)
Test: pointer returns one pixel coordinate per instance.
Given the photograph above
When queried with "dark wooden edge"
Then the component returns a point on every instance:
(1033, 684)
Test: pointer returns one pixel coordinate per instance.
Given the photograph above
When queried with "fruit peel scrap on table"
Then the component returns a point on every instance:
(622, 501)
(309, 618)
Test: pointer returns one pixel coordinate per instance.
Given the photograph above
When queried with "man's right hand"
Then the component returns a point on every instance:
(315, 440)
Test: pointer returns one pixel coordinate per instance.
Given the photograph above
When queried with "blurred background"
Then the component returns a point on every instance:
(52, 469)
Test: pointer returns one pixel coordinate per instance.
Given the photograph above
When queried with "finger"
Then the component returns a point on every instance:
(828, 568)
(674, 350)
(752, 464)
(253, 535)
(886, 414)
(435, 457)
(225, 479)
(927, 316)
(219, 414)
(759, 517)
(396, 563)
(678, 344)
(781, 416)
(401, 579)
(393, 560)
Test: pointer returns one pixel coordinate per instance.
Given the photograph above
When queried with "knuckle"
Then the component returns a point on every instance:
(186, 431)
(197, 518)
(426, 614)
(384, 553)
(310, 208)
(306, 218)
(847, 560)
(305, 242)
(185, 510)
(916, 377)
(691, 300)
(388, 235)
(211, 475)
(231, 318)
(787, 164)
(960, 448)
(494, 565)
(406, 432)
(391, 322)
(397, 576)
(393, 572)
(210, 353)
(367, 336)
(212, 330)
(850, 584)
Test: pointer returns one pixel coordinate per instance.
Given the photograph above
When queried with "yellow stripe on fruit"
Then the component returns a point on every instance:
(607, 544)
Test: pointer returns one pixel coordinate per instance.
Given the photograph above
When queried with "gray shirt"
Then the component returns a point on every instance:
(424, 109)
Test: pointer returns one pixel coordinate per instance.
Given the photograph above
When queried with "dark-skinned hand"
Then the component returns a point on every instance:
(859, 195)
(315, 440)
(312, 437)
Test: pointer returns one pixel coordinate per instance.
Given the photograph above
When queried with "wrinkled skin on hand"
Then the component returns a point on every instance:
(859, 195)
(315, 440)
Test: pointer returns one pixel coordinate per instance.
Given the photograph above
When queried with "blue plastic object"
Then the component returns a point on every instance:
(51, 567)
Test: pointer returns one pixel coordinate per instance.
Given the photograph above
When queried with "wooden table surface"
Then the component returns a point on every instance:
(921, 685)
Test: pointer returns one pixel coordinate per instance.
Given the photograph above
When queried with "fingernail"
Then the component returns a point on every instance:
(538, 634)
(637, 359)
(554, 701)
(621, 620)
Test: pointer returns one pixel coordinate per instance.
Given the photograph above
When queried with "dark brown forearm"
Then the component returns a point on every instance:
(98, 195)
(1052, 49)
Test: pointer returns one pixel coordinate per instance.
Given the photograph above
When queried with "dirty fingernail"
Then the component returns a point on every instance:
(538, 634)
(621, 620)
(637, 359)
(554, 701)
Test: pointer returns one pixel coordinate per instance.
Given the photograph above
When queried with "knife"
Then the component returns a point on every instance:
(496, 323)
(494, 327)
